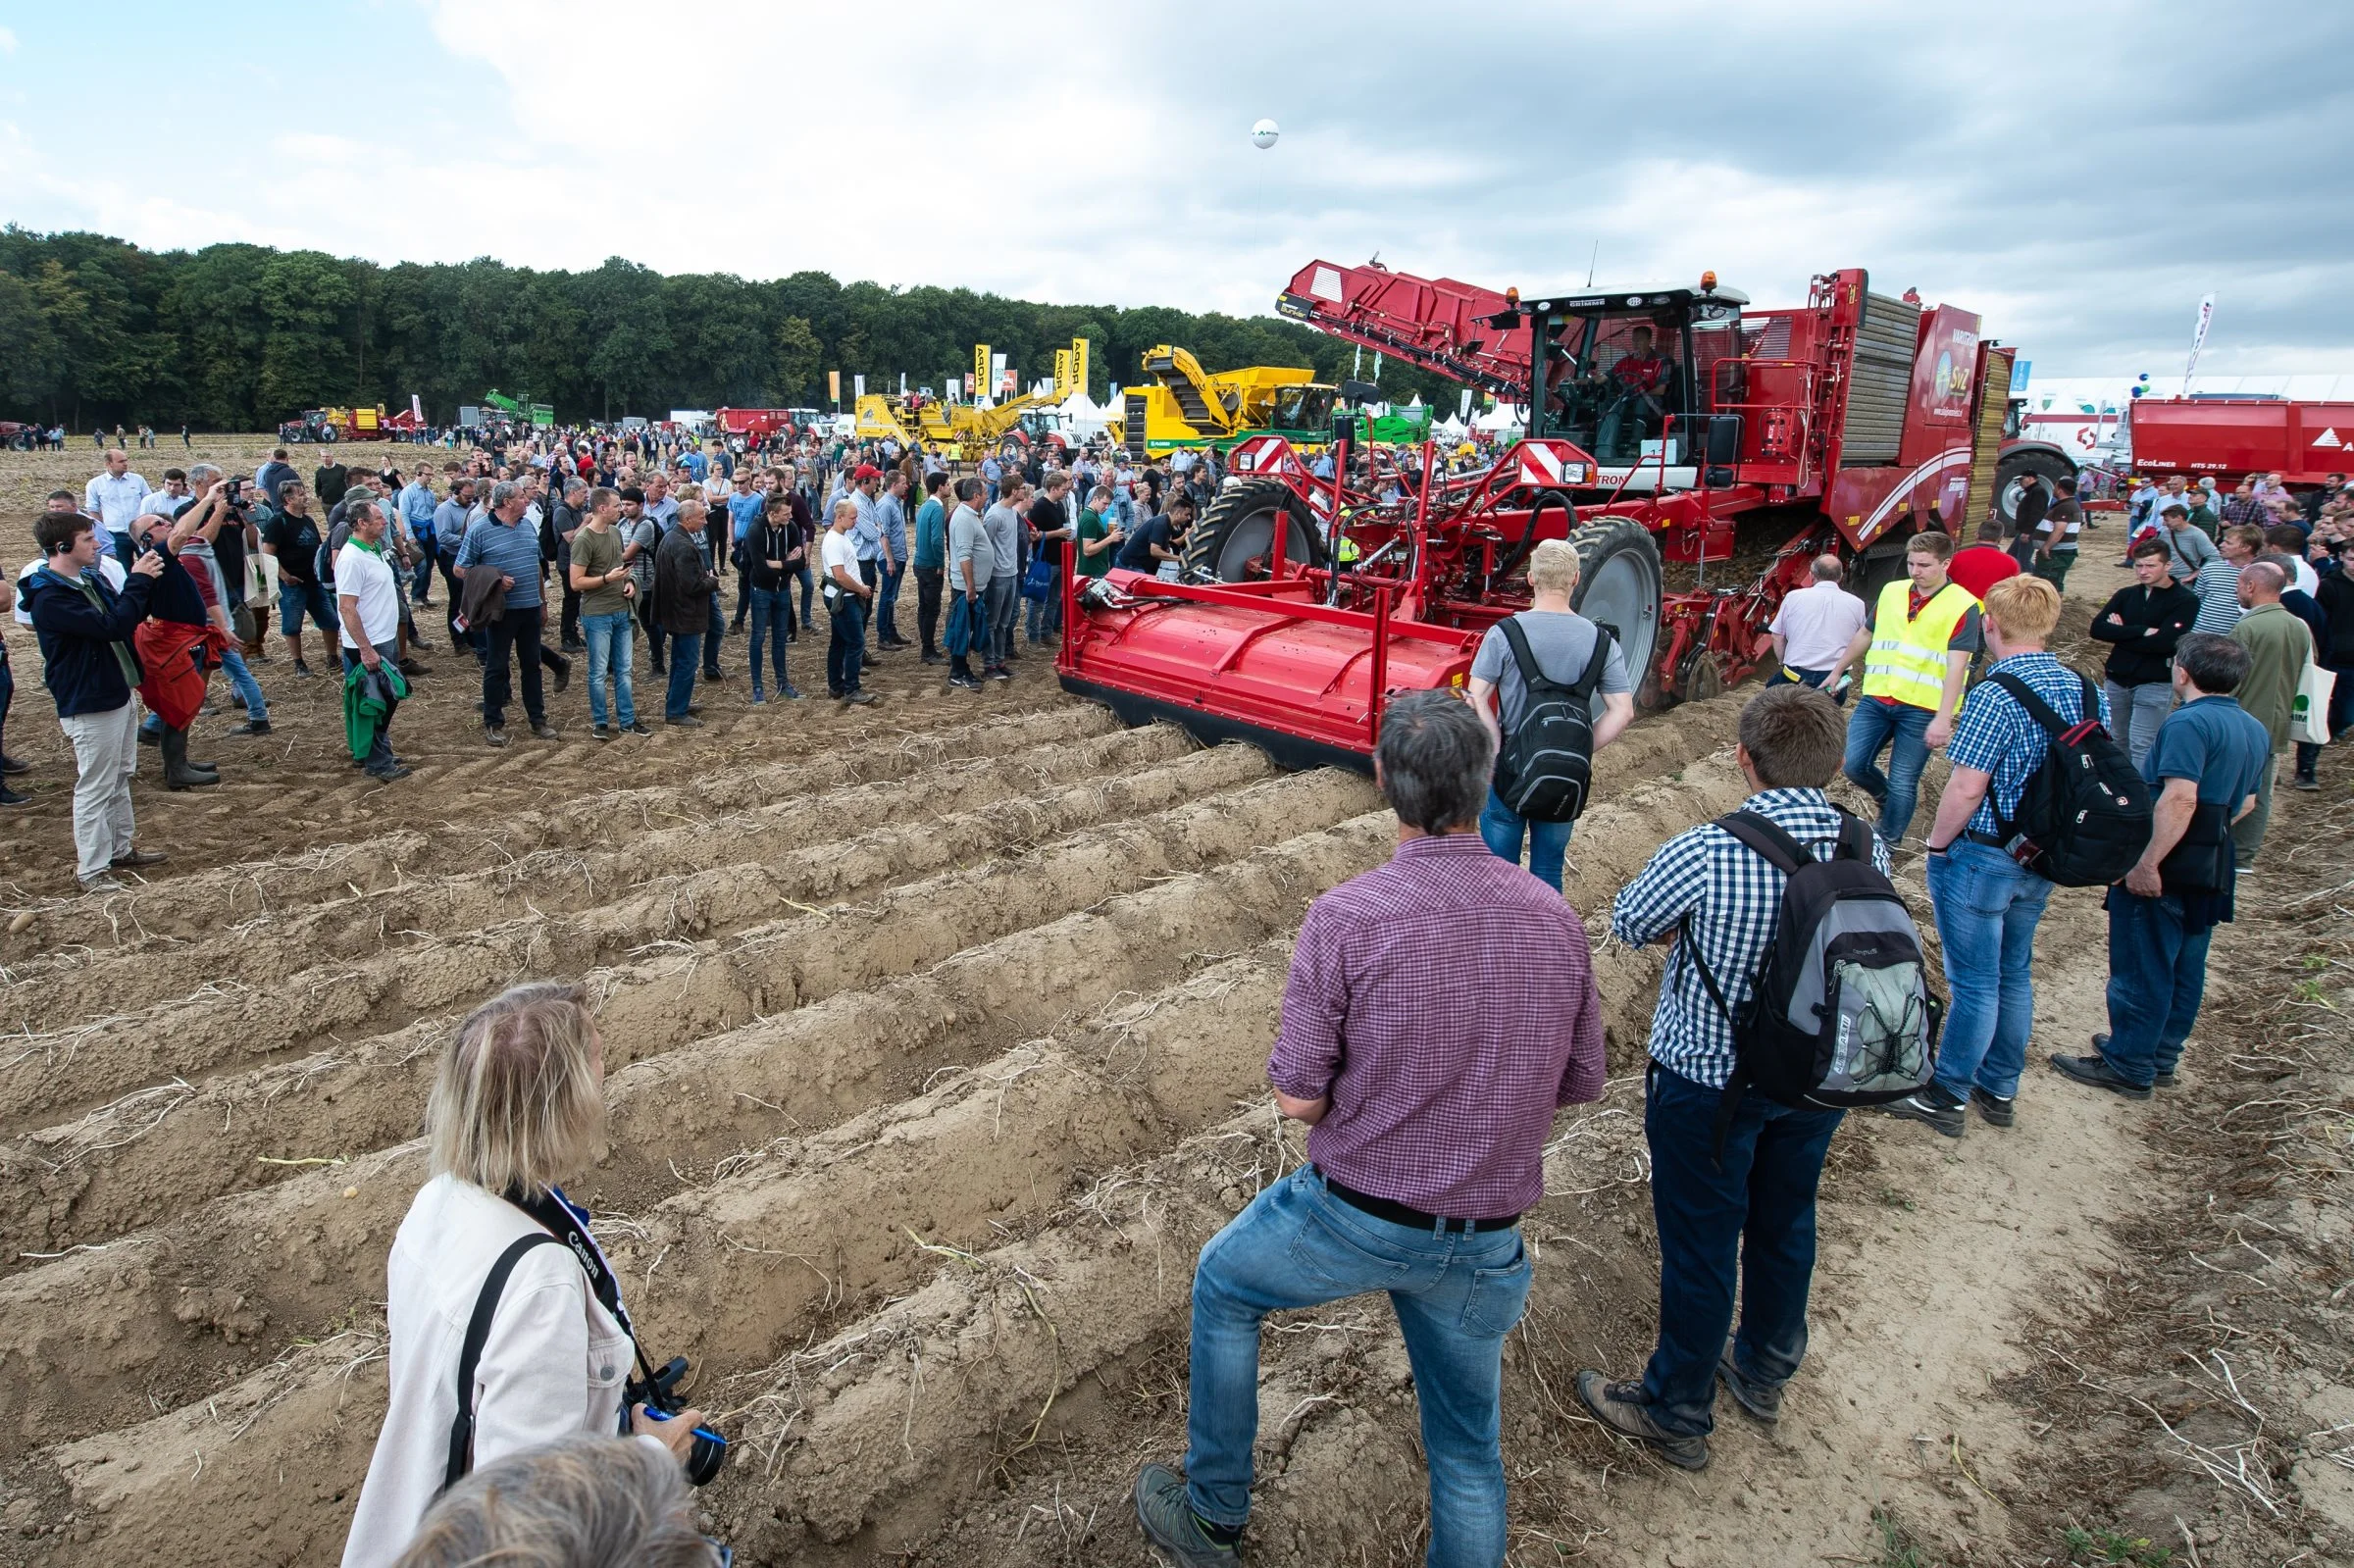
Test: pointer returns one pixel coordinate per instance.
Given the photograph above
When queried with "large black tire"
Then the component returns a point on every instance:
(1620, 586)
(1232, 542)
(2016, 465)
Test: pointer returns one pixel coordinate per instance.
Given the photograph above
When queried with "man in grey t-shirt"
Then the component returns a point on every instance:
(1003, 521)
(972, 562)
(1562, 642)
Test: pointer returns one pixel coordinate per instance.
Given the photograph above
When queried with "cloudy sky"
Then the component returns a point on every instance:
(2078, 170)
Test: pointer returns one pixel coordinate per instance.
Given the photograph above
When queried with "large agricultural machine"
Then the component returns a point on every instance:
(1667, 428)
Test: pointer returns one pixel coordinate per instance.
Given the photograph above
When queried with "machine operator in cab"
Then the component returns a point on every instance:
(1638, 384)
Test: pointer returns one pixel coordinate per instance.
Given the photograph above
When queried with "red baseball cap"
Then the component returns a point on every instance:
(864, 471)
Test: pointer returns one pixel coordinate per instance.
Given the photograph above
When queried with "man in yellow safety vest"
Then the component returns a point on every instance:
(1915, 652)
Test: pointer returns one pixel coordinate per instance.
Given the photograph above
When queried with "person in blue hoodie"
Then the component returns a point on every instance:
(85, 629)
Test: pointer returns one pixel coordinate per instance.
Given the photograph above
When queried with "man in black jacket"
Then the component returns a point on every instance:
(684, 584)
(2143, 623)
(85, 633)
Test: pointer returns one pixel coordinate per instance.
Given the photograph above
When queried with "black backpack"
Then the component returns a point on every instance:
(2085, 814)
(1840, 1012)
(1547, 763)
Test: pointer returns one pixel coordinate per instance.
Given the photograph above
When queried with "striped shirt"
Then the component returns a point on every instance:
(1732, 898)
(1446, 1003)
(1998, 736)
(509, 548)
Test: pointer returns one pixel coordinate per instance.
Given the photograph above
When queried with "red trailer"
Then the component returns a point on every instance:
(2306, 443)
(754, 423)
(1666, 427)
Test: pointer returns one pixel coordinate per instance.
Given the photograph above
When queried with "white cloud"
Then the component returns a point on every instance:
(7, 42)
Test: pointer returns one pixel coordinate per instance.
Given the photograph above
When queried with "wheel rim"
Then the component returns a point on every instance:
(2007, 503)
(1623, 594)
(1242, 558)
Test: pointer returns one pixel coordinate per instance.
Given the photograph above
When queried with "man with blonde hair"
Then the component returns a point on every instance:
(1550, 643)
(1987, 904)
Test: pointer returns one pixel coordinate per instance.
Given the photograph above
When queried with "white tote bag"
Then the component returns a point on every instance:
(2309, 714)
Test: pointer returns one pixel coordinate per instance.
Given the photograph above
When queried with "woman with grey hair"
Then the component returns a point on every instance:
(583, 1502)
(517, 1105)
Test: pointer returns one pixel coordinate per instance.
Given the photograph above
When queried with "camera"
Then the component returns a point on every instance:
(658, 1393)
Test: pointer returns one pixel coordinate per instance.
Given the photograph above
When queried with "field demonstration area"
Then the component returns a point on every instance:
(936, 1038)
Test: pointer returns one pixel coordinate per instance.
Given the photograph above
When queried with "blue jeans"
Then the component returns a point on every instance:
(1987, 905)
(887, 601)
(2157, 978)
(1044, 617)
(685, 647)
(1501, 827)
(1791, 675)
(1752, 1217)
(772, 613)
(293, 599)
(845, 655)
(611, 638)
(1003, 597)
(1902, 728)
(1456, 1297)
(808, 581)
(713, 630)
(240, 679)
(420, 579)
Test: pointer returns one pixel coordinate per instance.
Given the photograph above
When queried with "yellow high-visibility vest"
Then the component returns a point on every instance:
(1907, 661)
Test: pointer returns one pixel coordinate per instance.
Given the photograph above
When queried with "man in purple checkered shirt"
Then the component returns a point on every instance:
(1441, 1009)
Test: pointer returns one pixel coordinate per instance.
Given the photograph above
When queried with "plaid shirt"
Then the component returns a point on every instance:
(1732, 895)
(1446, 1002)
(1996, 736)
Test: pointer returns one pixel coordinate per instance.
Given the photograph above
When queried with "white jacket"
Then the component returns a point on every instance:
(553, 1366)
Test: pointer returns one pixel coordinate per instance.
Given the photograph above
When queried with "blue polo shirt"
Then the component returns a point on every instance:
(2215, 741)
(744, 512)
(513, 549)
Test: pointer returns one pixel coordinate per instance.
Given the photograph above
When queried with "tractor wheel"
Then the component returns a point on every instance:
(2016, 467)
(1618, 586)
(1232, 542)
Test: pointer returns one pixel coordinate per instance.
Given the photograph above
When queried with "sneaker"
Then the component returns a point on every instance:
(1182, 1536)
(965, 683)
(860, 699)
(251, 727)
(546, 731)
(791, 693)
(305, 671)
(690, 722)
(934, 658)
(1993, 1108)
(135, 857)
(834, 693)
(10, 797)
(150, 737)
(2306, 781)
(1622, 1407)
(600, 732)
(572, 645)
(494, 734)
(1763, 1400)
(2095, 1070)
(101, 883)
(389, 772)
(415, 667)
(563, 678)
(1000, 673)
(10, 767)
(1932, 1105)
(759, 698)
(640, 728)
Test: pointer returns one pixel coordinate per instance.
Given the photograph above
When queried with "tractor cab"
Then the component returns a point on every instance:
(1625, 375)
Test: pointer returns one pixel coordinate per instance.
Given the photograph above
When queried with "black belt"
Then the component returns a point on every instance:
(1381, 1208)
(1992, 839)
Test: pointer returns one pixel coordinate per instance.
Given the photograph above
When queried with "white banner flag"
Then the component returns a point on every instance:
(1464, 408)
(857, 386)
(2198, 340)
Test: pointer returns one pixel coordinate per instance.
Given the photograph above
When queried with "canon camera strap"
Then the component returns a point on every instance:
(570, 1226)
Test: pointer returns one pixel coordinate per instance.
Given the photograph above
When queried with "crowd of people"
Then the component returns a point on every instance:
(1441, 1008)
(547, 547)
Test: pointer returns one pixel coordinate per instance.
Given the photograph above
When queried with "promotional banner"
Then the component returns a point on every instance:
(1463, 409)
(1079, 364)
(2198, 340)
(1062, 373)
(980, 369)
(834, 386)
(859, 383)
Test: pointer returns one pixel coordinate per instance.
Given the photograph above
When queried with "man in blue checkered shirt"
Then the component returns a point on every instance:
(1749, 1217)
(1988, 904)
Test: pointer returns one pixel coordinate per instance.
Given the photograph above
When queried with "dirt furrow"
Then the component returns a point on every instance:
(637, 853)
(1109, 1277)
(87, 1066)
(200, 903)
(158, 1152)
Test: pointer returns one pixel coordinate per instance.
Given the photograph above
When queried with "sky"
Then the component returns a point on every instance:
(2077, 172)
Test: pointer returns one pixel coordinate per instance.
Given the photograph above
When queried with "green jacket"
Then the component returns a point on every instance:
(2280, 646)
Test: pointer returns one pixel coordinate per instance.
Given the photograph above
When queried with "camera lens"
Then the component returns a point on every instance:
(704, 1460)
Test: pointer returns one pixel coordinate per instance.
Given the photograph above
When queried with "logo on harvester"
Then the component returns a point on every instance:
(2327, 437)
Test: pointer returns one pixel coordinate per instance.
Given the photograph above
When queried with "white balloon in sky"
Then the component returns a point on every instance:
(1263, 134)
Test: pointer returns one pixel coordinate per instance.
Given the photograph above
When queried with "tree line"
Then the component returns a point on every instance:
(95, 332)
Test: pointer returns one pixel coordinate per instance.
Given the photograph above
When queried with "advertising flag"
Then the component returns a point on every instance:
(2198, 340)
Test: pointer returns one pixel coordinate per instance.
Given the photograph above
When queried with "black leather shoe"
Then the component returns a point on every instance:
(10, 766)
(2096, 1072)
(2164, 1079)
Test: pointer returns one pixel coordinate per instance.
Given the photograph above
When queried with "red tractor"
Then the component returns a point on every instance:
(1669, 430)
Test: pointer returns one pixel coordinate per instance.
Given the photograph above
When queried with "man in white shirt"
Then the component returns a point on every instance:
(1813, 626)
(367, 602)
(848, 596)
(113, 499)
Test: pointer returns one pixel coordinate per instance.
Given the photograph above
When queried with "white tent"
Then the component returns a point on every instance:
(1450, 428)
(1502, 418)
